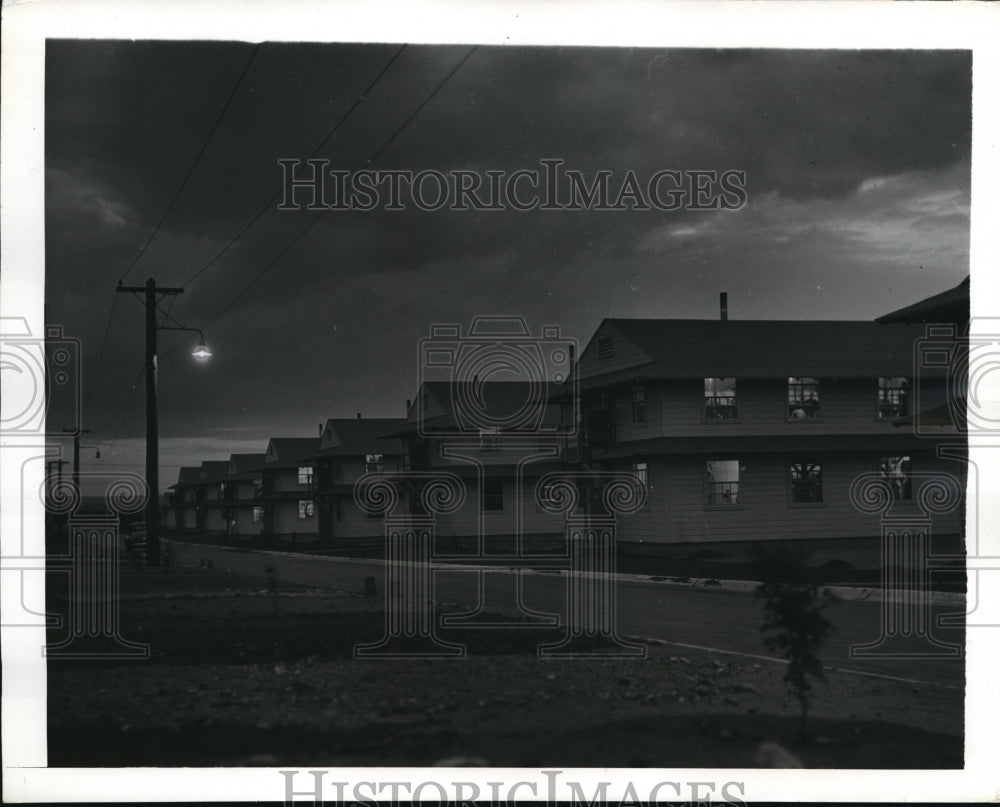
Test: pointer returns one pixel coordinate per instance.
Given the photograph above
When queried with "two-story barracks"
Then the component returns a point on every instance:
(751, 431)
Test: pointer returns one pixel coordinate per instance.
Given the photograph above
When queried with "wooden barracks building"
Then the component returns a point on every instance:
(743, 431)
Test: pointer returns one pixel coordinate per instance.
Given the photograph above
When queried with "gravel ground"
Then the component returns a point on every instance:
(235, 681)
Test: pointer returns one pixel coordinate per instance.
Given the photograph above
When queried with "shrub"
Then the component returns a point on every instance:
(794, 623)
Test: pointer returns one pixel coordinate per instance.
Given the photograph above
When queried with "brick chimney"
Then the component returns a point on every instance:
(723, 306)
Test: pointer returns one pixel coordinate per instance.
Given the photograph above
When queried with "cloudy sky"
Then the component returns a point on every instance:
(857, 179)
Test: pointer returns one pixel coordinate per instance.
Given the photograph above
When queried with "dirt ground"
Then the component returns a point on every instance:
(234, 681)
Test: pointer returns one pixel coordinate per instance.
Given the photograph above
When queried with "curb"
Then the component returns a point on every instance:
(847, 593)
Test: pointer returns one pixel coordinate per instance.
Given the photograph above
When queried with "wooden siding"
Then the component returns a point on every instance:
(286, 519)
(534, 521)
(677, 513)
(626, 354)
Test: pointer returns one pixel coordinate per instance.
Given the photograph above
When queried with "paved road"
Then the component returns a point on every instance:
(706, 617)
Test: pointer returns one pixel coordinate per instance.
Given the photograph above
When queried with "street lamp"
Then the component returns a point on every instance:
(201, 353)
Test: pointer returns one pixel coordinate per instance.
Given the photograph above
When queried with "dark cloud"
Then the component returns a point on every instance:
(857, 170)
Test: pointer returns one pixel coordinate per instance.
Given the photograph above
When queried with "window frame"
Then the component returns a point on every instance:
(704, 397)
(709, 503)
(879, 417)
(901, 458)
(640, 405)
(793, 461)
(799, 381)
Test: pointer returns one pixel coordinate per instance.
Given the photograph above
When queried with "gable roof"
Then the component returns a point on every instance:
(244, 465)
(188, 475)
(951, 306)
(690, 348)
(213, 471)
(345, 437)
(500, 401)
(285, 452)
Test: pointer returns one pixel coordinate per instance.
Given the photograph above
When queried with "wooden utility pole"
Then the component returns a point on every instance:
(76, 454)
(151, 290)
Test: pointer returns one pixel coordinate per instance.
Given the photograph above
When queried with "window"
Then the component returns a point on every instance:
(305, 508)
(893, 397)
(305, 475)
(373, 463)
(222, 491)
(803, 398)
(896, 471)
(722, 483)
(640, 469)
(639, 403)
(258, 488)
(806, 479)
(489, 441)
(720, 399)
(492, 495)
(258, 515)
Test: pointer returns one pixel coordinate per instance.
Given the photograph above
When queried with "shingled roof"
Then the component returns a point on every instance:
(286, 452)
(951, 306)
(347, 437)
(244, 465)
(688, 348)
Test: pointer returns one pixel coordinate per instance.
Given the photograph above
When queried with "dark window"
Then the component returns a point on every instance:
(258, 487)
(605, 348)
(896, 471)
(722, 483)
(803, 398)
(639, 403)
(720, 399)
(893, 397)
(806, 479)
(489, 441)
(492, 494)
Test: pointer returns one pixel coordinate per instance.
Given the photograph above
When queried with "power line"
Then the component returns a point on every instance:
(197, 159)
(319, 215)
(270, 202)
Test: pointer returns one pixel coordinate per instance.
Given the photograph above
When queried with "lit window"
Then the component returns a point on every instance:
(893, 397)
(722, 483)
(492, 494)
(639, 403)
(803, 398)
(258, 515)
(896, 471)
(720, 399)
(305, 508)
(373, 463)
(305, 474)
(606, 348)
(806, 479)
